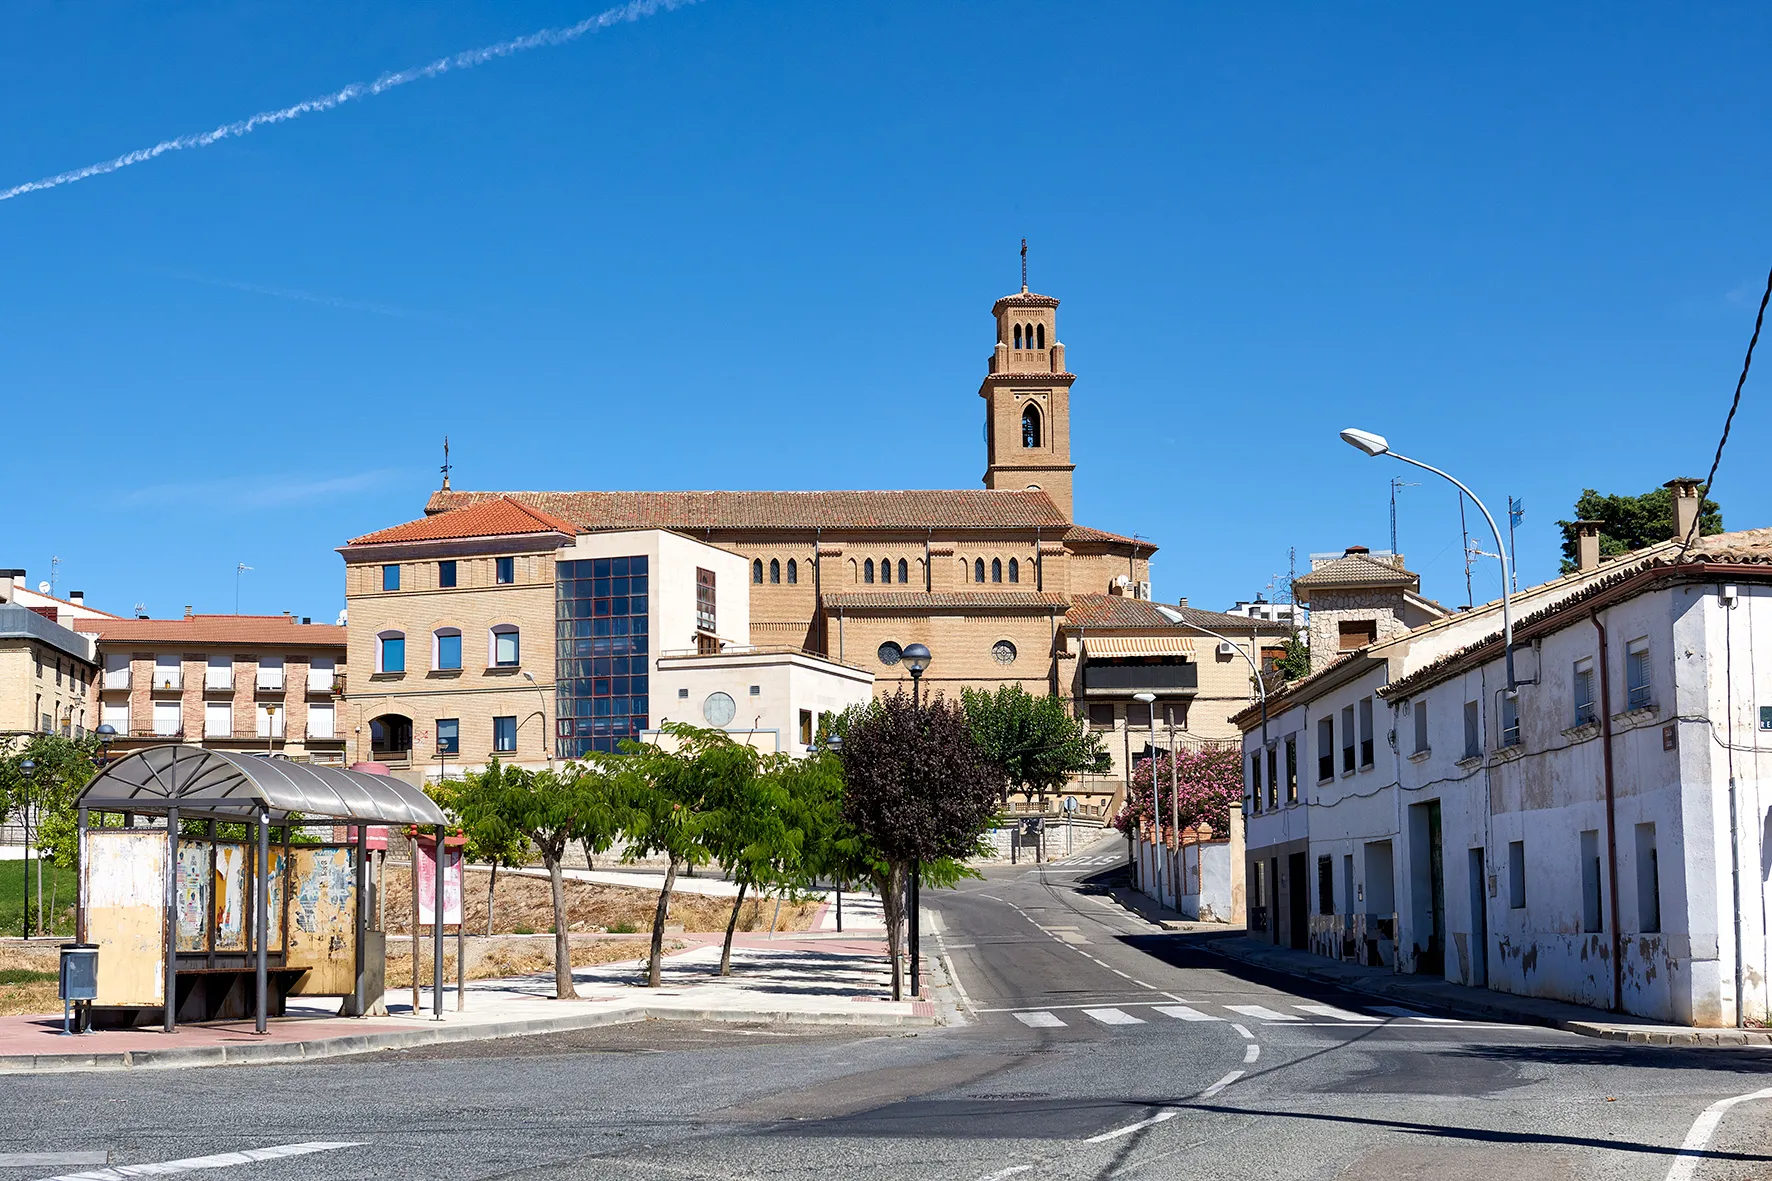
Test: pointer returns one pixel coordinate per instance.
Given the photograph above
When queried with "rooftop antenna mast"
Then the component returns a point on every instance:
(445, 463)
(1024, 265)
(238, 571)
(54, 562)
(1396, 483)
(1469, 597)
(1516, 512)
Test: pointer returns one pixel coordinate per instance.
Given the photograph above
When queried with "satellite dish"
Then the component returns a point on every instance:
(44, 588)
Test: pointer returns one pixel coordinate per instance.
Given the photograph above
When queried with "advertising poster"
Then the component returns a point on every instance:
(425, 855)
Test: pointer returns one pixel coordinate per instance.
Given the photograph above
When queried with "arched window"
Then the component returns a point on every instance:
(867, 570)
(446, 649)
(978, 570)
(996, 569)
(774, 570)
(1018, 336)
(390, 652)
(1030, 426)
(1014, 570)
(904, 570)
(793, 571)
(1040, 335)
(502, 646)
(757, 571)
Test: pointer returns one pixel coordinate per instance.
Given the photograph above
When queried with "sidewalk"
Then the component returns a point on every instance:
(818, 980)
(1482, 1004)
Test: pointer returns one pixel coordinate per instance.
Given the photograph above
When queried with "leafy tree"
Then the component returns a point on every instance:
(47, 798)
(1295, 659)
(1204, 786)
(1630, 522)
(495, 844)
(1037, 742)
(919, 789)
(551, 810)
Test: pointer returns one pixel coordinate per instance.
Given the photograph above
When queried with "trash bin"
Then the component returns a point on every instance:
(78, 980)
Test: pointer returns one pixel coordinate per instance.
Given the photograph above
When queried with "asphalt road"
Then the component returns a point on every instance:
(1096, 1047)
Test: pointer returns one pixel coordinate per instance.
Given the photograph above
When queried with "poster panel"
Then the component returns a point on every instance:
(190, 898)
(232, 895)
(323, 921)
(425, 857)
(123, 885)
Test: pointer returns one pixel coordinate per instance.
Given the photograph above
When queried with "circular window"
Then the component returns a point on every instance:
(1003, 652)
(890, 653)
(718, 709)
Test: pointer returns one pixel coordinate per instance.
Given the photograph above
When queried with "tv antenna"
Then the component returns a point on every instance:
(54, 562)
(238, 571)
(1396, 483)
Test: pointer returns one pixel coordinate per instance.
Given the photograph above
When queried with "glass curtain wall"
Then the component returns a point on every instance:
(601, 653)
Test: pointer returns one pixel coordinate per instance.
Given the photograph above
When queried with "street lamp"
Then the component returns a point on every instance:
(916, 658)
(107, 734)
(1376, 445)
(28, 767)
(834, 744)
(1150, 704)
(547, 740)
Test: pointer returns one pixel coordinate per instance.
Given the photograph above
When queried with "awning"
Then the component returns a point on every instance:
(222, 785)
(1111, 647)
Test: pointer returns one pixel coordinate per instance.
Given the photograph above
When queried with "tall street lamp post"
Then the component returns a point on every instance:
(1375, 445)
(916, 659)
(29, 767)
(1150, 704)
(547, 740)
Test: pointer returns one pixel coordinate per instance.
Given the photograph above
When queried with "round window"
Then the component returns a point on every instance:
(1003, 652)
(890, 653)
(718, 709)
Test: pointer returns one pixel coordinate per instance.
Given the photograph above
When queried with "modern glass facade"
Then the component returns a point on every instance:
(601, 654)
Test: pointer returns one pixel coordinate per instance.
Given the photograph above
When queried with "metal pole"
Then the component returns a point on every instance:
(417, 1006)
(169, 1014)
(437, 934)
(361, 1002)
(839, 907)
(916, 927)
(1175, 811)
(461, 951)
(263, 918)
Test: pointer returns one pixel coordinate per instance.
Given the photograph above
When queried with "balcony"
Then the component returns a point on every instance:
(219, 684)
(330, 736)
(115, 679)
(324, 683)
(153, 732)
(265, 686)
(1118, 679)
(167, 681)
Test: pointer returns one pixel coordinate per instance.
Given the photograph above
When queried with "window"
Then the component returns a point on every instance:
(116, 672)
(1291, 770)
(446, 574)
(1018, 336)
(996, 570)
(1516, 874)
(805, 727)
(1040, 336)
(793, 572)
(1357, 633)
(322, 673)
(1421, 746)
(890, 654)
(504, 735)
(390, 652)
(270, 720)
(1348, 747)
(1636, 674)
(448, 658)
(1014, 570)
(1101, 717)
(390, 578)
(1255, 778)
(1003, 652)
(1473, 730)
(904, 571)
(1590, 880)
(270, 673)
(1648, 881)
(168, 673)
(1325, 750)
(1325, 885)
(775, 571)
(705, 601)
(867, 570)
(116, 716)
(58, 672)
(218, 719)
(602, 661)
(885, 569)
(978, 570)
(504, 652)
(757, 572)
(1030, 427)
(168, 719)
(1510, 720)
(218, 673)
(1138, 715)
(449, 736)
(504, 571)
(1366, 753)
(1584, 691)
(1273, 776)
(322, 720)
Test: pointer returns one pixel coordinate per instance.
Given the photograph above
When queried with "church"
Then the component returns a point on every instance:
(999, 582)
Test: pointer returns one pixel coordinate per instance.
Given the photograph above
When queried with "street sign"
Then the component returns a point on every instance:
(1070, 805)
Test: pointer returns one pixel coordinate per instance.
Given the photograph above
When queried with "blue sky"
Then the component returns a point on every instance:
(752, 245)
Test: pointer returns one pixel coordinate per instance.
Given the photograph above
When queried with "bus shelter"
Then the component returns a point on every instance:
(213, 925)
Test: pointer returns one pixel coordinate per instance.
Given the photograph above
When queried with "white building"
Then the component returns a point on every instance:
(1285, 614)
(770, 697)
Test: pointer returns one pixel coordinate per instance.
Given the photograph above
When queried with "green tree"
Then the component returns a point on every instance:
(1037, 742)
(47, 799)
(1630, 522)
(919, 789)
(551, 810)
(1295, 659)
(495, 844)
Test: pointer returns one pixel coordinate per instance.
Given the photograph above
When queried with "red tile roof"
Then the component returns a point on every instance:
(257, 630)
(1084, 533)
(494, 516)
(1120, 611)
(918, 600)
(979, 508)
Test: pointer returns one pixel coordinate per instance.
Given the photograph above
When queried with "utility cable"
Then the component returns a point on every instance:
(1746, 364)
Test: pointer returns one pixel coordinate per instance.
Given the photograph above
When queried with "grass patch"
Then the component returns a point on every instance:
(59, 894)
(24, 976)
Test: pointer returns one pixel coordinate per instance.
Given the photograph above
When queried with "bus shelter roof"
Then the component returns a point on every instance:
(225, 785)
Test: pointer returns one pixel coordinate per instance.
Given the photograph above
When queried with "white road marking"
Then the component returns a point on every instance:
(1685, 1165)
(1160, 1117)
(220, 1160)
(1184, 1013)
(1115, 971)
(1261, 1013)
(52, 1160)
(953, 976)
(999, 1175)
(1041, 1020)
(1113, 1017)
(1244, 1030)
(1393, 1011)
(1250, 1053)
(1221, 1084)
(1140, 983)
(1332, 1011)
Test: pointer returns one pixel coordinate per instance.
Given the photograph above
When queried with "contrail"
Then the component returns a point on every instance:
(621, 14)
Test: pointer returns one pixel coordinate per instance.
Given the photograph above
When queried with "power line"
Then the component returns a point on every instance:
(1746, 364)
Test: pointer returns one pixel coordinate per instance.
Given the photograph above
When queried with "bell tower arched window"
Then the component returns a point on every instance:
(757, 571)
(996, 569)
(904, 570)
(978, 570)
(885, 569)
(1030, 427)
(1040, 335)
(1014, 570)
(774, 570)
(1018, 336)
(867, 570)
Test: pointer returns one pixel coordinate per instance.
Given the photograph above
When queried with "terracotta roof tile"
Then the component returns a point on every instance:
(979, 508)
(260, 630)
(1120, 611)
(1356, 570)
(916, 600)
(494, 516)
(1084, 533)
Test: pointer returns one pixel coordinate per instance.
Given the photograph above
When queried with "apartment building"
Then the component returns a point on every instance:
(264, 684)
(47, 674)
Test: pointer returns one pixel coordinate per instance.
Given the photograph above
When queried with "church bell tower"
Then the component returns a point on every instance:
(1027, 397)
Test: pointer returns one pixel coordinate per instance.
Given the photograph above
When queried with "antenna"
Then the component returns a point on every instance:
(445, 463)
(141, 610)
(1396, 483)
(1516, 512)
(1469, 598)
(1024, 264)
(53, 563)
(238, 571)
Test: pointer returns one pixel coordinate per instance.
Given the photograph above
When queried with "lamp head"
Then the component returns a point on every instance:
(1147, 698)
(1366, 441)
(28, 766)
(106, 732)
(916, 658)
(834, 742)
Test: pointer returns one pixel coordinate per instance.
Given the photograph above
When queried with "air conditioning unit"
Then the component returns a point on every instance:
(1226, 648)
(1144, 591)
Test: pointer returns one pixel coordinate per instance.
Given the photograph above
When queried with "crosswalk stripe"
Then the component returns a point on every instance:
(1114, 1017)
(1393, 1011)
(1261, 1013)
(1184, 1013)
(1338, 1014)
(1038, 1020)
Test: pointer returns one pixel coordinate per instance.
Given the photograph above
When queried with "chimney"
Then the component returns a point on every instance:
(1685, 504)
(1183, 601)
(188, 610)
(1355, 549)
(1587, 545)
(78, 598)
(7, 578)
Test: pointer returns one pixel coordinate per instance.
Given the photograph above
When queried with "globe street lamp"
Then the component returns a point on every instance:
(1376, 445)
(916, 658)
(107, 734)
(28, 767)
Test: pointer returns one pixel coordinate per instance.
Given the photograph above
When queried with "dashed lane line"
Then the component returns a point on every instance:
(1160, 1117)
(1244, 1030)
(1250, 1053)
(1221, 1084)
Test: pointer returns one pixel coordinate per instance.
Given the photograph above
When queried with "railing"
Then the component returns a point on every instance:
(756, 650)
(1258, 918)
(392, 757)
(115, 679)
(331, 682)
(168, 682)
(218, 684)
(332, 735)
(266, 684)
(155, 732)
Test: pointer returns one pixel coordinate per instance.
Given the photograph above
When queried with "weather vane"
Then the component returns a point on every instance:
(445, 463)
(1024, 264)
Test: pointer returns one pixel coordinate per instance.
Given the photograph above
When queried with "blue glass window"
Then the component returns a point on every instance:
(504, 734)
(390, 578)
(448, 736)
(601, 652)
(507, 570)
(448, 650)
(393, 654)
(445, 574)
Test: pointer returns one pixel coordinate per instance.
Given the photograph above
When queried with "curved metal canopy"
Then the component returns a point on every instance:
(228, 786)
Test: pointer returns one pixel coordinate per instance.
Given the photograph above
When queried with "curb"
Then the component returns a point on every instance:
(264, 1054)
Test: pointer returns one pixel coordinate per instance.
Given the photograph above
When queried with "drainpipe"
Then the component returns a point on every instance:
(824, 622)
(1611, 811)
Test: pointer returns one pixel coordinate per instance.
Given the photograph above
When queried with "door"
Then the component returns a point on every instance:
(1298, 901)
(1479, 950)
(1427, 888)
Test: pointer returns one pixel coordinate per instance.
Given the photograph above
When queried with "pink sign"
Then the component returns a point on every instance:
(424, 853)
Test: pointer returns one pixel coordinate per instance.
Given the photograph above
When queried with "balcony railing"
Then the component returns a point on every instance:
(331, 735)
(168, 682)
(155, 732)
(218, 684)
(326, 684)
